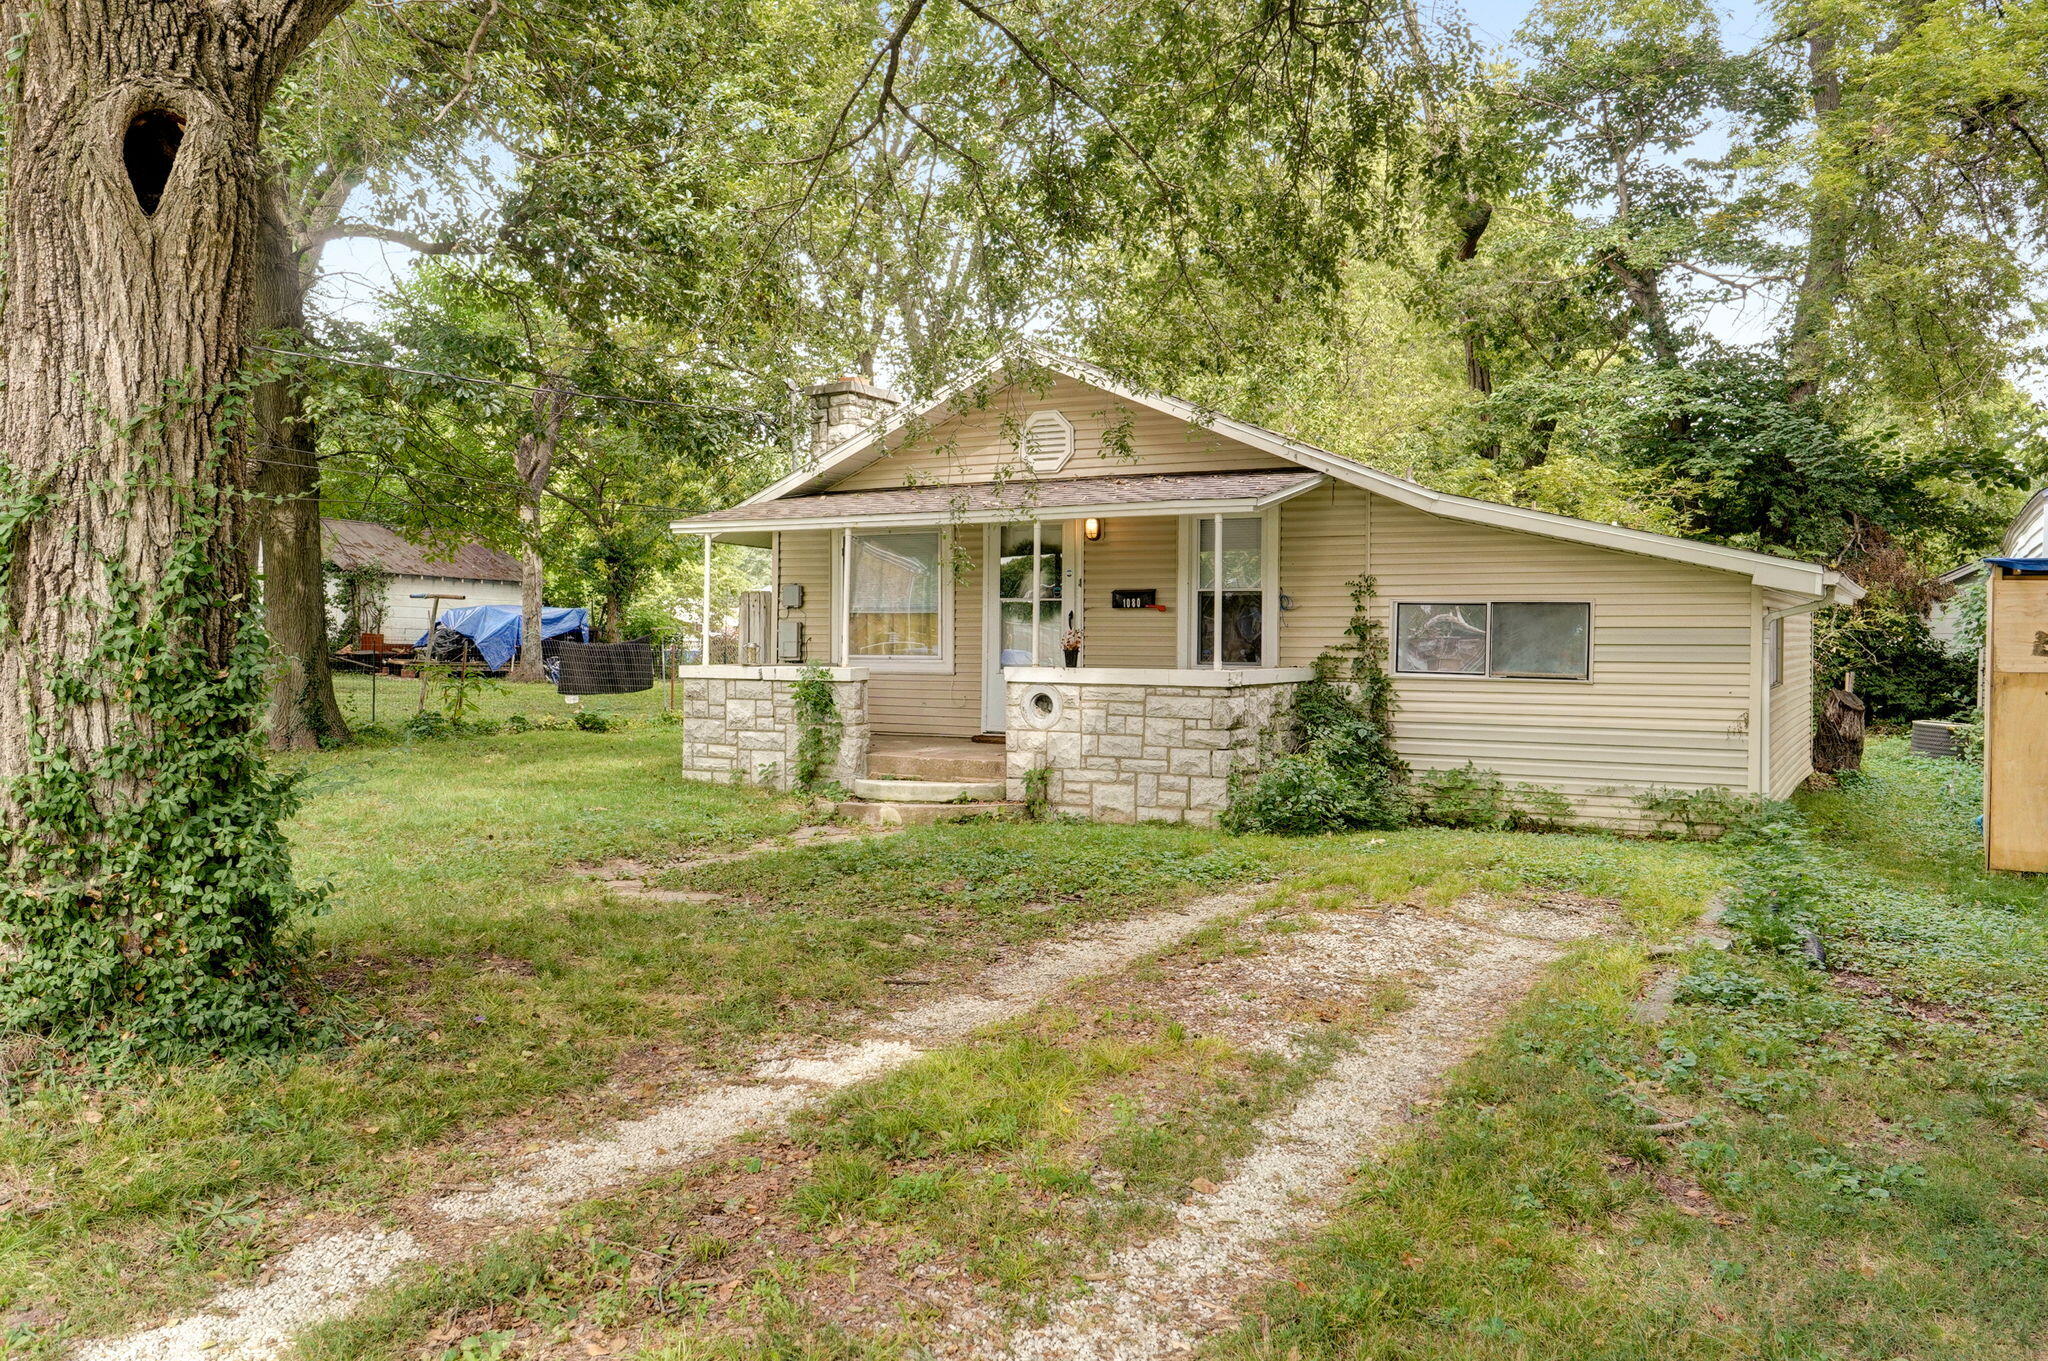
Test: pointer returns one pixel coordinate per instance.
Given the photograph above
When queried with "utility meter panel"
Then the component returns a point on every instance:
(2016, 716)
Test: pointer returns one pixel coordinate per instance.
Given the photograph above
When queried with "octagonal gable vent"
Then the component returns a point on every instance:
(1048, 441)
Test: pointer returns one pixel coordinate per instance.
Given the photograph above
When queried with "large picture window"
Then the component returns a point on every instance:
(893, 595)
(1540, 640)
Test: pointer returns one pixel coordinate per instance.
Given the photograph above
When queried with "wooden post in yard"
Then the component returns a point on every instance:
(2016, 718)
(433, 622)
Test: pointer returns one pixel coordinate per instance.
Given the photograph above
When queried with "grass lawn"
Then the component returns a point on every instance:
(399, 699)
(479, 991)
(1860, 1171)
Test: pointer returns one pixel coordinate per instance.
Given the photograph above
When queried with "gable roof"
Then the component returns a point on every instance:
(362, 543)
(1765, 569)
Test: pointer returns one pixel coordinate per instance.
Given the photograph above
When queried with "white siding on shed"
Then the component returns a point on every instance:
(1791, 739)
(406, 619)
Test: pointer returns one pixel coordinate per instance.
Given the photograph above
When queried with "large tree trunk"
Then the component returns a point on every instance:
(303, 711)
(1829, 228)
(534, 460)
(145, 874)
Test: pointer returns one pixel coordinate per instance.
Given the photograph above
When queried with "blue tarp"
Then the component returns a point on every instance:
(2020, 564)
(495, 628)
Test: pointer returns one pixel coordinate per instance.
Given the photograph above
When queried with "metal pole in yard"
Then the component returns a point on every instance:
(668, 664)
(373, 692)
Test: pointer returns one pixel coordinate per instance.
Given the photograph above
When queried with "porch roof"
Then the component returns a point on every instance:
(1017, 498)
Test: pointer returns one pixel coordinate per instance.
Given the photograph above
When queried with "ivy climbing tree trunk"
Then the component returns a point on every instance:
(303, 710)
(534, 460)
(147, 879)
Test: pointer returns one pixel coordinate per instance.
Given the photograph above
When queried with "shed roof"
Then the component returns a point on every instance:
(1149, 493)
(350, 544)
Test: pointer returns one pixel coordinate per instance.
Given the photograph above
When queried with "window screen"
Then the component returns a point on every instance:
(1546, 640)
(1514, 638)
(1445, 640)
(893, 606)
(1774, 652)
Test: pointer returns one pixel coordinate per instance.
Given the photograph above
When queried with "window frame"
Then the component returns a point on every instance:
(1186, 643)
(842, 613)
(1774, 652)
(1488, 674)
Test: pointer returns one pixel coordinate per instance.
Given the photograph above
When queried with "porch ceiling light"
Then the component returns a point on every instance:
(1091, 529)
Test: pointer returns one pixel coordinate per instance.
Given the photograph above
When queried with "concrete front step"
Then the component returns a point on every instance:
(906, 757)
(920, 814)
(928, 791)
(920, 766)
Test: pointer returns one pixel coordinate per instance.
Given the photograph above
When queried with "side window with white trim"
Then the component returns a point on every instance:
(1514, 639)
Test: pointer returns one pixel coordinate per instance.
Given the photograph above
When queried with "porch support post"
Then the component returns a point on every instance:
(1216, 598)
(704, 655)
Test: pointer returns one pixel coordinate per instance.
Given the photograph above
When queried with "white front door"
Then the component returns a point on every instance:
(1032, 599)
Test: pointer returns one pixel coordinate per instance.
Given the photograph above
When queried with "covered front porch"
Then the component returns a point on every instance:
(1109, 630)
(940, 592)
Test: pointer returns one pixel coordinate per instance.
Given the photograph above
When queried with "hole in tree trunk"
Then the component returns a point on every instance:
(149, 151)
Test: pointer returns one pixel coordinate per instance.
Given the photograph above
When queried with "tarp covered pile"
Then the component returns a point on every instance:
(495, 629)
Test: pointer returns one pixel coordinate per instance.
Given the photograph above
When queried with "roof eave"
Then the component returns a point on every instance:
(989, 515)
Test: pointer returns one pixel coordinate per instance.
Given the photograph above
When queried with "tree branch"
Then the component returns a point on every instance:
(397, 236)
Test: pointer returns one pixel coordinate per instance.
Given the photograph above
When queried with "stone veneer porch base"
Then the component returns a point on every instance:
(1139, 746)
(739, 724)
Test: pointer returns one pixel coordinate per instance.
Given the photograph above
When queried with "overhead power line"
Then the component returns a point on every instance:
(377, 465)
(757, 413)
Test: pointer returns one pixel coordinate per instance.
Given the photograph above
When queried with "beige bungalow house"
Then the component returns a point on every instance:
(1043, 569)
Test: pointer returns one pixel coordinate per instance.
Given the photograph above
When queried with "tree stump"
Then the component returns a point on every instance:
(1838, 737)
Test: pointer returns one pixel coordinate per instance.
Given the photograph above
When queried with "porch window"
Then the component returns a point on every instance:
(892, 604)
(1242, 591)
(1526, 639)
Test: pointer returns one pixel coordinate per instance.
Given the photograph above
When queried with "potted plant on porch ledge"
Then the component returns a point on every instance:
(1070, 644)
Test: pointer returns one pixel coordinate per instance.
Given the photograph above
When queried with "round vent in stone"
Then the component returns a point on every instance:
(1043, 706)
(1048, 441)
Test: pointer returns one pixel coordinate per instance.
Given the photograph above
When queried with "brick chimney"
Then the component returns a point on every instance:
(842, 408)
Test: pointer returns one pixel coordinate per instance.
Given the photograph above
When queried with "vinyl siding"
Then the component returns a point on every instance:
(1670, 698)
(939, 703)
(1323, 547)
(804, 558)
(977, 446)
(1791, 746)
(1132, 554)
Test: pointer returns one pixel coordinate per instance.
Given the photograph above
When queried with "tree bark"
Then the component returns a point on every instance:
(303, 711)
(1828, 232)
(534, 460)
(131, 226)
